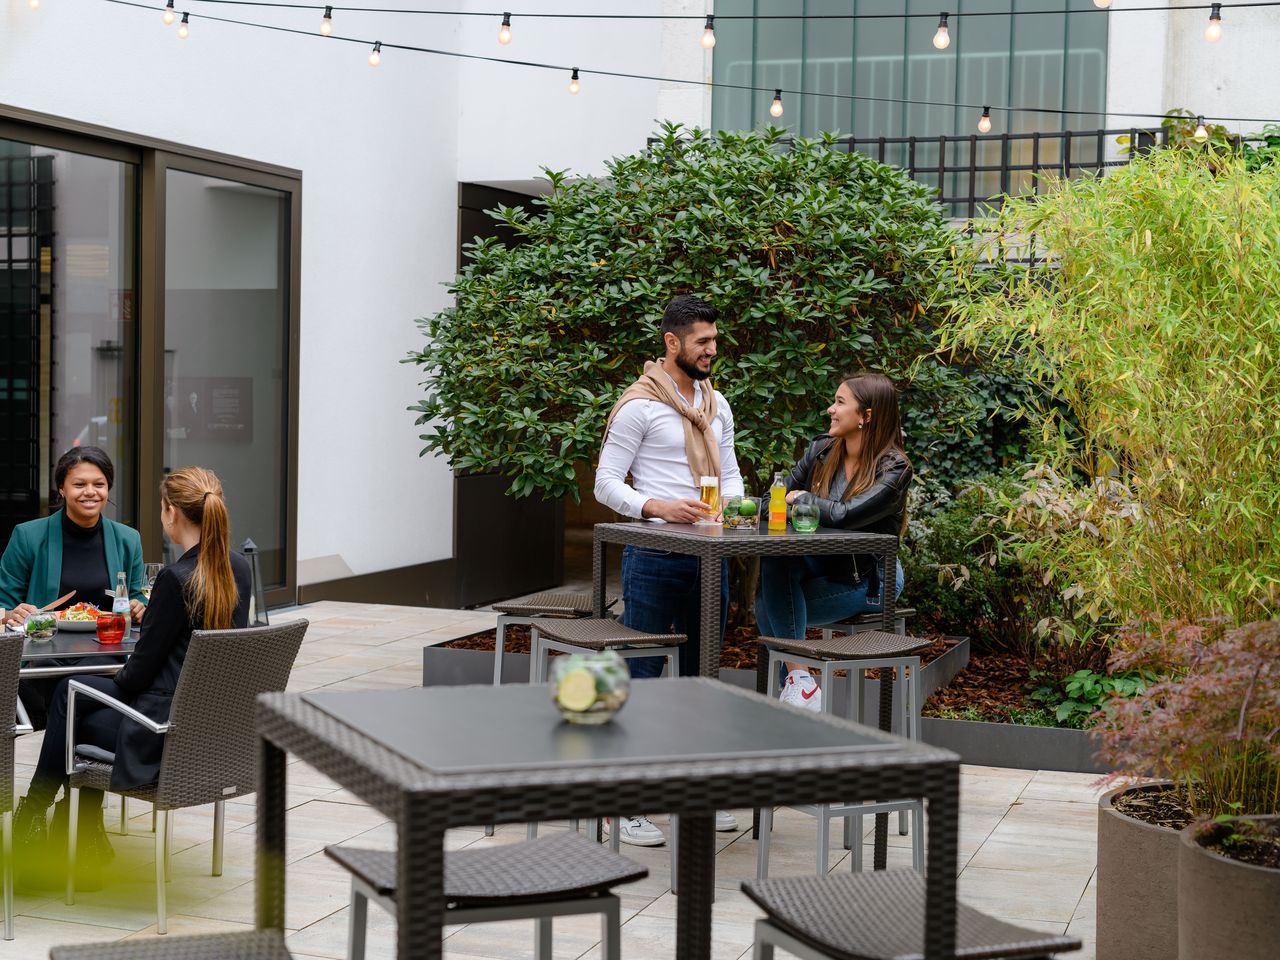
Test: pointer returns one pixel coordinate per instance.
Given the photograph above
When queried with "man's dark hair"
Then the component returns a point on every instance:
(87, 454)
(683, 312)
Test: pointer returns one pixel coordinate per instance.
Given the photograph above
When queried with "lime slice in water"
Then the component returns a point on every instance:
(577, 690)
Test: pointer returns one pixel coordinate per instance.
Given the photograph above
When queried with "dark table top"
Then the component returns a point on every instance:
(714, 539)
(517, 727)
(68, 644)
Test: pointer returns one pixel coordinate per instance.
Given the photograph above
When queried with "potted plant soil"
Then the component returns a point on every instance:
(1208, 728)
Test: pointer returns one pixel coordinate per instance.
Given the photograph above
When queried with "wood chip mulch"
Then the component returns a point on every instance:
(995, 684)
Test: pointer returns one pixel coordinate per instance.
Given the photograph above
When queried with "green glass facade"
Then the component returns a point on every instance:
(1052, 60)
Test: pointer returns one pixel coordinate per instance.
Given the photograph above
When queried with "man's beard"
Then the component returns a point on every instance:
(693, 371)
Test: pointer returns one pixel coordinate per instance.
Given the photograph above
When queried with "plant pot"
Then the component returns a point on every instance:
(1137, 899)
(1227, 909)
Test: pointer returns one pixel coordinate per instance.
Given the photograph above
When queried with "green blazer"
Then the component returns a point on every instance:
(31, 568)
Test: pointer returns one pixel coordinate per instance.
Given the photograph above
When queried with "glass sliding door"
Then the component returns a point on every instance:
(68, 331)
(227, 322)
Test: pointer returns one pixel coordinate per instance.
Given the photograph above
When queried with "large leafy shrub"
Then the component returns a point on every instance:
(1156, 338)
(819, 261)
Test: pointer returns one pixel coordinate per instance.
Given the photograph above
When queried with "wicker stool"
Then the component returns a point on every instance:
(593, 636)
(877, 916)
(537, 880)
(868, 621)
(855, 654)
(549, 603)
(241, 945)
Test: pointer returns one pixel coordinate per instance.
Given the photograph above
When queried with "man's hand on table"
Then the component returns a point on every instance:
(676, 511)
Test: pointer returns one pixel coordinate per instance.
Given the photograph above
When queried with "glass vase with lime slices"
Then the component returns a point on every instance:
(589, 688)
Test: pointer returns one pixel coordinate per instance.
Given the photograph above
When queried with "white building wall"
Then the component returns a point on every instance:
(1159, 61)
(378, 151)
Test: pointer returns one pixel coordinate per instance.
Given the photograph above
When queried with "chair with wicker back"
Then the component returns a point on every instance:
(210, 745)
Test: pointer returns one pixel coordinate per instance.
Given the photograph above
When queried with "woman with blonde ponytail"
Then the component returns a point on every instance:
(207, 588)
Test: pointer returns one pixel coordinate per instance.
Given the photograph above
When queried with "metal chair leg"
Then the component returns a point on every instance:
(219, 826)
(763, 948)
(542, 945)
(823, 862)
(168, 844)
(762, 846)
(917, 838)
(6, 828)
(675, 854)
(124, 815)
(73, 823)
(162, 856)
(611, 929)
(498, 646)
(855, 859)
(357, 924)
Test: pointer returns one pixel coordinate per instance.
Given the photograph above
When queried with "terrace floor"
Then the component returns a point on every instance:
(1027, 840)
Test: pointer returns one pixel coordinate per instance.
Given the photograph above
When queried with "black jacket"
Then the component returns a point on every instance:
(880, 508)
(148, 679)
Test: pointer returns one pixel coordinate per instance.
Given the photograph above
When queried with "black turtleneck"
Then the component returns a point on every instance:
(84, 563)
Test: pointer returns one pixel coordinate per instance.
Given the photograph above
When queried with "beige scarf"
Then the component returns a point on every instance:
(701, 445)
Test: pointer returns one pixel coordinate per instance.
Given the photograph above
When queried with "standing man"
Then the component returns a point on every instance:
(668, 430)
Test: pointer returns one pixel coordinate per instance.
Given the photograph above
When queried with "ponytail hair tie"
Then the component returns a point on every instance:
(206, 496)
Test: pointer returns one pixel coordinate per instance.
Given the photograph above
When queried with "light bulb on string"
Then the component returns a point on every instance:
(775, 108)
(169, 14)
(984, 122)
(942, 39)
(33, 4)
(1213, 32)
(326, 22)
(1102, 4)
(574, 85)
(1201, 134)
(709, 32)
(504, 31)
(375, 55)
(184, 28)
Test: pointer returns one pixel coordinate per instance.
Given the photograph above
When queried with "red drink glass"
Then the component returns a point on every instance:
(111, 627)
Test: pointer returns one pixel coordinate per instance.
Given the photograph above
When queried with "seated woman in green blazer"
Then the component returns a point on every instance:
(74, 549)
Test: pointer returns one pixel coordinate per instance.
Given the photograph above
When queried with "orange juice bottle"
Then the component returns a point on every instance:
(777, 504)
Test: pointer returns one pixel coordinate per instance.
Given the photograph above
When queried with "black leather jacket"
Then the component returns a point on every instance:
(880, 508)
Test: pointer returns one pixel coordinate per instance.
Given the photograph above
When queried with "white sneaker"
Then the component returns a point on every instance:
(637, 831)
(801, 690)
(725, 821)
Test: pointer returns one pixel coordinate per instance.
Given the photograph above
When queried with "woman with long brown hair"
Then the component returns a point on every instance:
(207, 588)
(857, 475)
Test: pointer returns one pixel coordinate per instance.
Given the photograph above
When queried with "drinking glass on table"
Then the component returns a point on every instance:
(149, 573)
(804, 517)
(709, 493)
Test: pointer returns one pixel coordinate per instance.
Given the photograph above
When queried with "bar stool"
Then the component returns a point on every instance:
(594, 636)
(855, 654)
(548, 603)
(868, 621)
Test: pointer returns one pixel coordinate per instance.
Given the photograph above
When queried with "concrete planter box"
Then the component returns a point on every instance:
(1137, 902)
(444, 666)
(1227, 909)
(1015, 745)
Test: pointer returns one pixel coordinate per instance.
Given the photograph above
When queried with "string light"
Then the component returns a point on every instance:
(709, 32)
(326, 22)
(504, 31)
(33, 4)
(169, 15)
(1102, 4)
(184, 29)
(984, 122)
(775, 108)
(1213, 32)
(574, 85)
(942, 39)
(1201, 134)
(375, 55)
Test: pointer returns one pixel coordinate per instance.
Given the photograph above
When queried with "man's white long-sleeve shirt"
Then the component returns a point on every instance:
(647, 441)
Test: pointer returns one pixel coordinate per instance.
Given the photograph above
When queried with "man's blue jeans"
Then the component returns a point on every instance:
(794, 593)
(661, 594)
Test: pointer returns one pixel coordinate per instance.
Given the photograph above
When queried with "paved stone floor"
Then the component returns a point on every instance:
(1026, 840)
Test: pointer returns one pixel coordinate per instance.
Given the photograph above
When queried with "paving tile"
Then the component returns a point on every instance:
(1021, 895)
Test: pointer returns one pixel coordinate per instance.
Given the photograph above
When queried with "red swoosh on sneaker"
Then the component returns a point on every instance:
(808, 694)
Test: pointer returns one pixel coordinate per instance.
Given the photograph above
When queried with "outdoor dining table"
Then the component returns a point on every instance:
(711, 543)
(38, 656)
(441, 757)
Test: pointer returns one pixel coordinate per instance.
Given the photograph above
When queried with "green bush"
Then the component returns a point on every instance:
(820, 261)
(1157, 339)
